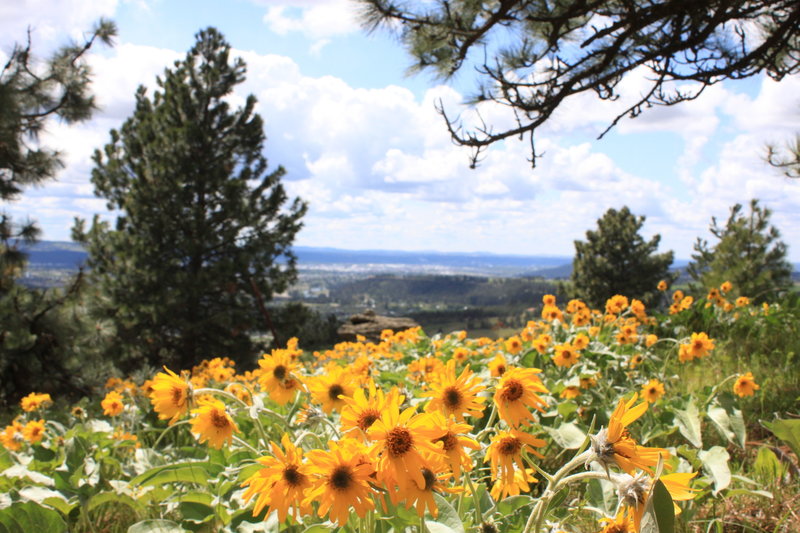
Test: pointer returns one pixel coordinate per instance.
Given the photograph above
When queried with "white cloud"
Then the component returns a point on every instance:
(379, 170)
(319, 20)
(50, 20)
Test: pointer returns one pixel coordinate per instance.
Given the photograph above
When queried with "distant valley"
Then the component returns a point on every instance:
(68, 256)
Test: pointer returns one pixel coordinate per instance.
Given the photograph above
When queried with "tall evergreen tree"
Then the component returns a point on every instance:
(748, 253)
(615, 259)
(44, 342)
(202, 230)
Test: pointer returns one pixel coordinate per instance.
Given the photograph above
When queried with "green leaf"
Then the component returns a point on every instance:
(102, 498)
(767, 466)
(567, 436)
(196, 512)
(659, 513)
(565, 409)
(555, 504)
(194, 472)
(601, 494)
(508, 506)
(722, 422)
(688, 422)
(749, 492)
(786, 430)
(61, 505)
(29, 516)
(727, 401)
(715, 463)
(448, 516)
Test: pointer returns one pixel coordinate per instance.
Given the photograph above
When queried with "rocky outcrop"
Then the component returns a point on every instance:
(370, 325)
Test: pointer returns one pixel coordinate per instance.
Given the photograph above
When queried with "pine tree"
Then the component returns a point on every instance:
(32, 94)
(45, 341)
(615, 259)
(748, 253)
(531, 56)
(202, 230)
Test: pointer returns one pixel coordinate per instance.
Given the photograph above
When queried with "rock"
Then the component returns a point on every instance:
(370, 325)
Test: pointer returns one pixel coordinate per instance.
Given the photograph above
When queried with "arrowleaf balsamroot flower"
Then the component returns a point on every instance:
(340, 480)
(502, 488)
(421, 496)
(361, 411)
(622, 523)
(565, 355)
(34, 401)
(281, 484)
(504, 452)
(498, 365)
(406, 442)
(699, 346)
(11, 437)
(212, 423)
(614, 445)
(745, 385)
(33, 431)
(456, 396)
(454, 444)
(275, 375)
(328, 390)
(170, 396)
(652, 390)
(517, 392)
(112, 404)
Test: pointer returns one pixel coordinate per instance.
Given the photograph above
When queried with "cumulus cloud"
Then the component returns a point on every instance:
(379, 170)
(50, 20)
(319, 20)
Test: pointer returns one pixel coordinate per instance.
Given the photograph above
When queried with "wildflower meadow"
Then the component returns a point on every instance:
(608, 420)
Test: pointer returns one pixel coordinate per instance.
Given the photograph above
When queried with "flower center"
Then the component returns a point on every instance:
(501, 369)
(279, 372)
(430, 479)
(219, 420)
(335, 391)
(449, 441)
(452, 397)
(367, 418)
(509, 446)
(399, 441)
(341, 478)
(292, 476)
(513, 390)
(177, 396)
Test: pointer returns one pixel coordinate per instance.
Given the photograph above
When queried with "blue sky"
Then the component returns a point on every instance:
(364, 146)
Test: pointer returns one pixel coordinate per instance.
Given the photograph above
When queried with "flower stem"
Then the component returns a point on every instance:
(176, 424)
(554, 484)
(475, 502)
(714, 391)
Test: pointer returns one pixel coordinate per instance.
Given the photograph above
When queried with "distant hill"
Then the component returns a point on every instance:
(64, 255)
(481, 261)
(55, 255)
(69, 255)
